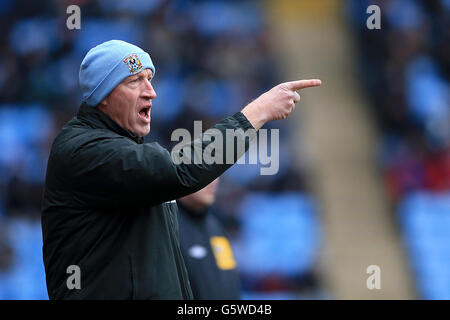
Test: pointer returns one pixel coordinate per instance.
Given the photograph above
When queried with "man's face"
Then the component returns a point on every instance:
(130, 103)
(203, 198)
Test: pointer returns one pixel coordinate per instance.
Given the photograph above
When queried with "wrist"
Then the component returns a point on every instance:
(255, 115)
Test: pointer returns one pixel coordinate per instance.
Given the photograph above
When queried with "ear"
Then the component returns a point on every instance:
(103, 104)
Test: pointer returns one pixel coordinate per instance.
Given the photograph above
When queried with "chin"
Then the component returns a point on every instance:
(209, 202)
(143, 133)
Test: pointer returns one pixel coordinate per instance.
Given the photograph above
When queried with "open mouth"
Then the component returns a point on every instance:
(144, 113)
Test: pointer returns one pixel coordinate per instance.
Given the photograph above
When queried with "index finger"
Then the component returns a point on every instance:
(301, 84)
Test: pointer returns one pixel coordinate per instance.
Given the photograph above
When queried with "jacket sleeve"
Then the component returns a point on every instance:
(118, 172)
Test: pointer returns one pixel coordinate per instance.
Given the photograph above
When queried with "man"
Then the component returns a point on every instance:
(205, 247)
(109, 219)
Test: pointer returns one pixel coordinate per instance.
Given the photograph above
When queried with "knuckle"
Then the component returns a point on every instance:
(283, 87)
(287, 95)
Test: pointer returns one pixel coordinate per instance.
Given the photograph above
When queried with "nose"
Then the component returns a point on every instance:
(148, 92)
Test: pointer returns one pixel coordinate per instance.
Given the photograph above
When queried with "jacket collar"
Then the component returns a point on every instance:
(99, 120)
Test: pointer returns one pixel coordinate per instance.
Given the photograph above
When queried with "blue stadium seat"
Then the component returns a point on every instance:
(26, 279)
(425, 221)
(279, 233)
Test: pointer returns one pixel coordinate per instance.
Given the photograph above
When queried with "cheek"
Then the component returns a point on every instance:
(132, 109)
(126, 103)
(121, 107)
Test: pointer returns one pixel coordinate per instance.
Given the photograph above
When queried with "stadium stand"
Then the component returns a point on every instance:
(407, 76)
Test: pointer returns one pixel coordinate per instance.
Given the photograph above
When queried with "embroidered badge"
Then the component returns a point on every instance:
(133, 63)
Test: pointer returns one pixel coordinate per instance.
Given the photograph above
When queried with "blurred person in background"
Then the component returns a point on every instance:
(206, 249)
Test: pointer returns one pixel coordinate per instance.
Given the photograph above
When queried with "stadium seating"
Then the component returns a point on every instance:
(425, 221)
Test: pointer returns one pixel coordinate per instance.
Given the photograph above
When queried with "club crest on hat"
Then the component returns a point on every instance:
(133, 63)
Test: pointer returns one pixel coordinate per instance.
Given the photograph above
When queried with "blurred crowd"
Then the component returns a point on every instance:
(211, 58)
(405, 67)
(406, 70)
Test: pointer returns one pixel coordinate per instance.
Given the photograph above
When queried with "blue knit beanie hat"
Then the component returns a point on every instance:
(106, 65)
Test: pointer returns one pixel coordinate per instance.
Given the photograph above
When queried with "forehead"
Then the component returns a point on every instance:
(144, 73)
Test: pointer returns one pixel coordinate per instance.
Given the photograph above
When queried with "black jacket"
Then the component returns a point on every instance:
(108, 207)
(208, 255)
